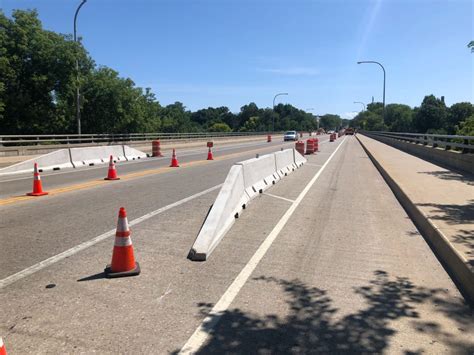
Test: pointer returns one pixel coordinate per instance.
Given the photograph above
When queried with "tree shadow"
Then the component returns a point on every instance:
(452, 214)
(466, 238)
(313, 326)
(451, 175)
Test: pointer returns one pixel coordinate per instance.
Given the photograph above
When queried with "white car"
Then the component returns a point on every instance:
(290, 136)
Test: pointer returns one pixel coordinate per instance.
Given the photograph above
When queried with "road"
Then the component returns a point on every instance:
(325, 261)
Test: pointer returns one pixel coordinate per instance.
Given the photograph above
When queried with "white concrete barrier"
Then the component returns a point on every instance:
(259, 174)
(299, 159)
(132, 153)
(221, 217)
(96, 155)
(245, 180)
(56, 160)
(285, 162)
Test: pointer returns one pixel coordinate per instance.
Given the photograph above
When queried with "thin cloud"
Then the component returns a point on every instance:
(349, 115)
(296, 71)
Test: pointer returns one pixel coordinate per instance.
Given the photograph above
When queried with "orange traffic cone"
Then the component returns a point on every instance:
(174, 160)
(3, 350)
(37, 186)
(209, 154)
(112, 173)
(123, 260)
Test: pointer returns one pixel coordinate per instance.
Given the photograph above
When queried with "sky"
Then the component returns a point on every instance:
(231, 52)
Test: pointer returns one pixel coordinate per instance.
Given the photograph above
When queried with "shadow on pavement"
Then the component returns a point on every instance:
(452, 214)
(99, 276)
(312, 324)
(451, 175)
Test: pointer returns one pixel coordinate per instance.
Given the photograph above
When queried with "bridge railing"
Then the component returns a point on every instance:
(465, 144)
(50, 139)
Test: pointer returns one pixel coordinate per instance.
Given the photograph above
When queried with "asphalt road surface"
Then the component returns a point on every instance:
(326, 261)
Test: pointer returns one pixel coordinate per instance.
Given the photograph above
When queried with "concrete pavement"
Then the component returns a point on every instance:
(439, 200)
(348, 272)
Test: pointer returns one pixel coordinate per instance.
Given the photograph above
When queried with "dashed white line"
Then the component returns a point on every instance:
(74, 250)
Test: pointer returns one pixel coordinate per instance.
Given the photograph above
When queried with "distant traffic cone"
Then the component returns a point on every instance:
(209, 154)
(37, 186)
(112, 173)
(123, 260)
(174, 160)
(3, 350)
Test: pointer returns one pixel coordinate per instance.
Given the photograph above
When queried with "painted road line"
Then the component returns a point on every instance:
(280, 197)
(125, 177)
(202, 333)
(187, 153)
(74, 250)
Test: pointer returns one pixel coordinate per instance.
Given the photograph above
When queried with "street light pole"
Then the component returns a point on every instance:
(381, 66)
(78, 95)
(358, 102)
(273, 116)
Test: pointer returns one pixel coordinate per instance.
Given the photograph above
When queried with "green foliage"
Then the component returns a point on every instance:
(330, 122)
(220, 127)
(432, 114)
(38, 81)
(399, 118)
(466, 128)
(471, 45)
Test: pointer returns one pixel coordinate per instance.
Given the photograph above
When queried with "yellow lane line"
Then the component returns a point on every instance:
(130, 176)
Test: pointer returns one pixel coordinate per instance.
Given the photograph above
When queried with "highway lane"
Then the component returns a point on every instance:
(15, 185)
(348, 271)
(39, 228)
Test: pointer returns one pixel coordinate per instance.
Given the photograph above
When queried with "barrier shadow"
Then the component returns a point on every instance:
(312, 324)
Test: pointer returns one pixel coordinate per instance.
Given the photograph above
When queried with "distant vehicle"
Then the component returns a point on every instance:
(331, 132)
(349, 131)
(290, 136)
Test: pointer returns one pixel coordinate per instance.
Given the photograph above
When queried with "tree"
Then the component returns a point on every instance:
(399, 118)
(220, 127)
(330, 122)
(466, 128)
(471, 45)
(432, 114)
(458, 113)
(37, 72)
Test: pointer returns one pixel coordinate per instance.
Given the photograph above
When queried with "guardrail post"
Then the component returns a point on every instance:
(434, 142)
(425, 140)
(466, 150)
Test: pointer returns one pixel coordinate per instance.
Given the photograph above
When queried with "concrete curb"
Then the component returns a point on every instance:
(453, 261)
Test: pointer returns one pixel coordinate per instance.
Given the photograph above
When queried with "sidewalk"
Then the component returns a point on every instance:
(440, 201)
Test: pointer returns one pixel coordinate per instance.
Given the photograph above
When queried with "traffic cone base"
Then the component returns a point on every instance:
(113, 178)
(110, 274)
(37, 193)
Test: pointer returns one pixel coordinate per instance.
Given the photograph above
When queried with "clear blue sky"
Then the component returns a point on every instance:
(231, 52)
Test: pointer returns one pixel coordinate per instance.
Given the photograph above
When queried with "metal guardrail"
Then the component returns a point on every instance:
(448, 142)
(47, 139)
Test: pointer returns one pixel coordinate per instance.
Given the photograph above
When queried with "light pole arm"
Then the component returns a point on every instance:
(384, 76)
(75, 18)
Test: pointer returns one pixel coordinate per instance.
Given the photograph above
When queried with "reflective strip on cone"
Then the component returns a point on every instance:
(123, 241)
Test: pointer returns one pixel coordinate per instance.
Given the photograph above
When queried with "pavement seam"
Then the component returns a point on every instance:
(80, 247)
(200, 335)
(279, 197)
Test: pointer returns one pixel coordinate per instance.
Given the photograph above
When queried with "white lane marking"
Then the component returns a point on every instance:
(74, 250)
(201, 334)
(187, 153)
(280, 197)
